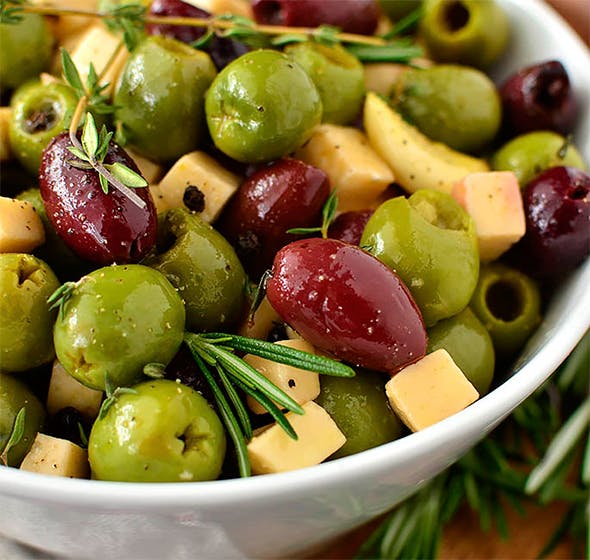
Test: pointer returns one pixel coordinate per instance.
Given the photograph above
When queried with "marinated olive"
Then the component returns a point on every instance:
(430, 241)
(469, 344)
(261, 107)
(15, 395)
(349, 226)
(161, 95)
(203, 267)
(162, 432)
(332, 70)
(453, 104)
(398, 9)
(360, 409)
(116, 320)
(25, 329)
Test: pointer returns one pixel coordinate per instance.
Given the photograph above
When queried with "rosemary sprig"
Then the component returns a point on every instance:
(11, 11)
(18, 430)
(328, 215)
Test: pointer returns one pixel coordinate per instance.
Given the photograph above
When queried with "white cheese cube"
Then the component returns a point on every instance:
(199, 170)
(262, 323)
(151, 171)
(158, 199)
(273, 451)
(5, 151)
(357, 174)
(494, 201)
(66, 391)
(429, 390)
(301, 385)
(58, 457)
(21, 228)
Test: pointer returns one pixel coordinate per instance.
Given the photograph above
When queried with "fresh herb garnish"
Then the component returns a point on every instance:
(155, 370)
(328, 215)
(17, 433)
(405, 24)
(112, 395)
(11, 11)
(61, 296)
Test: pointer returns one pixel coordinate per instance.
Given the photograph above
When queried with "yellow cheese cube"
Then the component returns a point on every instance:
(199, 170)
(21, 229)
(262, 323)
(151, 171)
(158, 199)
(357, 174)
(66, 391)
(429, 390)
(381, 76)
(5, 151)
(494, 201)
(299, 384)
(273, 451)
(57, 457)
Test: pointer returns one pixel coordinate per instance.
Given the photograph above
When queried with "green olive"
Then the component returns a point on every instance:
(14, 395)
(160, 98)
(26, 320)
(469, 344)
(453, 104)
(262, 106)
(398, 9)
(39, 112)
(203, 267)
(26, 50)
(360, 408)
(116, 320)
(337, 74)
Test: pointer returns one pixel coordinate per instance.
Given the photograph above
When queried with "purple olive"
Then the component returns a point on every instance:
(283, 195)
(102, 228)
(349, 226)
(353, 16)
(539, 97)
(346, 302)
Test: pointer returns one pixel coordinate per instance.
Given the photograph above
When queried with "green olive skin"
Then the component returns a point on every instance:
(429, 241)
(469, 344)
(39, 112)
(26, 321)
(471, 32)
(261, 107)
(529, 154)
(360, 408)
(333, 70)
(118, 319)
(14, 395)
(398, 9)
(162, 432)
(203, 267)
(27, 47)
(508, 304)
(453, 104)
(161, 96)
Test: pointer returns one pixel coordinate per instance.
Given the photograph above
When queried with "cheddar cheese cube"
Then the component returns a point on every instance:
(429, 390)
(57, 457)
(21, 228)
(264, 320)
(273, 451)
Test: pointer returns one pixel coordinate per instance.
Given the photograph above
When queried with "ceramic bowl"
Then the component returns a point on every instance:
(286, 514)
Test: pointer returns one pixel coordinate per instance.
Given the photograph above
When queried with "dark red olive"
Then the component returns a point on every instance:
(221, 49)
(557, 209)
(353, 16)
(346, 302)
(349, 226)
(539, 97)
(102, 228)
(283, 195)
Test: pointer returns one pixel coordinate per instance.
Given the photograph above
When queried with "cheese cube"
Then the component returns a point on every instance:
(494, 201)
(158, 199)
(262, 323)
(66, 391)
(21, 228)
(299, 384)
(57, 457)
(429, 390)
(151, 171)
(200, 170)
(5, 151)
(356, 172)
(381, 76)
(273, 451)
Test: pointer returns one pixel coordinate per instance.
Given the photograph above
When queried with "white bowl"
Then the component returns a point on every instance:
(283, 514)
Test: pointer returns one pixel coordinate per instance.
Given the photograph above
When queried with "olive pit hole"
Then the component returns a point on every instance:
(505, 301)
(25, 272)
(41, 119)
(455, 16)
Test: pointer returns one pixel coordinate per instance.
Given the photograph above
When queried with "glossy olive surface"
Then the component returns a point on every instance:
(349, 226)
(117, 320)
(346, 302)
(26, 321)
(99, 227)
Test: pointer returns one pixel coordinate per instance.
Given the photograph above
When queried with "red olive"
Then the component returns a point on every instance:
(349, 226)
(347, 303)
(283, 195)
(102, 228)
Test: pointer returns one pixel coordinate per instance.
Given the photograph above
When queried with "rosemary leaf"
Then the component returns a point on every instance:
(237, 403)
(405, 24)
(385, 53)
(18, 430)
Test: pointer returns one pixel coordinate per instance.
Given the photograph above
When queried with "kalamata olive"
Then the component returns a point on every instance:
(349, 226)
(66, 424)
(539, 97)
(347, 303)
(557, 209)
(354, 16)
(99, 227)
(283, 195)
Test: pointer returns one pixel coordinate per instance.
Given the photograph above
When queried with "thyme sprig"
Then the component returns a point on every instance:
(328, 215)
(112, 394)
(16, 434)
(11, 11)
